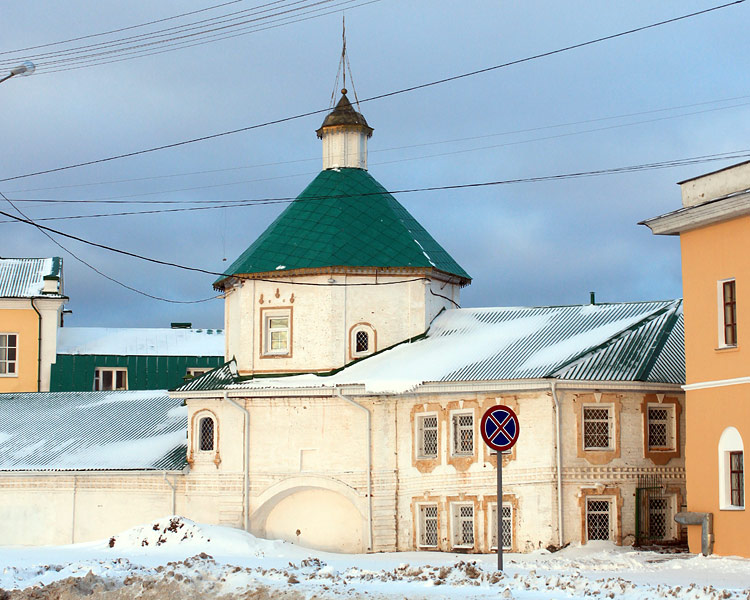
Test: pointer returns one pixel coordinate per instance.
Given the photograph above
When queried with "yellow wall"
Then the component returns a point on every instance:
(711, 254)
(25, 323)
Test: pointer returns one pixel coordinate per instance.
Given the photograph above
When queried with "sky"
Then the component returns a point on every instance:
(667, 93)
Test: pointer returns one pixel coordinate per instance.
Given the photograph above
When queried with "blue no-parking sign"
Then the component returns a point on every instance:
(499, 428)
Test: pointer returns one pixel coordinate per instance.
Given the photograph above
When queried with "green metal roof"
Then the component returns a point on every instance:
(344, 218)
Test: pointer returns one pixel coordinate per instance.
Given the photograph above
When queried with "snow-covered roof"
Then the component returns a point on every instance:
(73, 431)
(24, 277)
(637, 341)
(140, 341)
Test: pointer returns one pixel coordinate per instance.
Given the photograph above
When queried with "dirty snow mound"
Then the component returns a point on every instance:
(166, 531)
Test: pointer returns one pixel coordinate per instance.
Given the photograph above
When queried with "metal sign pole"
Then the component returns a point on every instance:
(499, 511)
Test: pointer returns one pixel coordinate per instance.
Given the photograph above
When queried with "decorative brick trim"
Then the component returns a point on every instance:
(612, 492)
(598, 457)
(661, 457)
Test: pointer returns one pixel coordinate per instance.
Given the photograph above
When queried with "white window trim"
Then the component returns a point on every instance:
(492, 507)
(720, 325)
(453, 415)
(419, 436)
(196, 371)
(612, 515)
(114, 370)
(611, 420)
(17, 353)
(421, 525)
(730, 441)
(197, 435)
(370, 340)
(277, 314)
(455, 507)
(671, 427)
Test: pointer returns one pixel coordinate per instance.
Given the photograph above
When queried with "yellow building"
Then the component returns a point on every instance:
(31, 303)
(714, 230)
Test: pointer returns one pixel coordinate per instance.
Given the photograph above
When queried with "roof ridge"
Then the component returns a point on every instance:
(674, 304)
(655, 351)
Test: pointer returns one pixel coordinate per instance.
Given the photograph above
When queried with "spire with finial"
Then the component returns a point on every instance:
(344, 131)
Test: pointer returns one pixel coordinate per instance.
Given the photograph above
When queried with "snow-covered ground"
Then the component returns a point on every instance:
(177, 558)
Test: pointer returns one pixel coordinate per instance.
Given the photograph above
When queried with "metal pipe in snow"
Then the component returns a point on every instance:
(558, 435)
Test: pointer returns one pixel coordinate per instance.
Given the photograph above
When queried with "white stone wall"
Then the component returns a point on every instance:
(323, 316)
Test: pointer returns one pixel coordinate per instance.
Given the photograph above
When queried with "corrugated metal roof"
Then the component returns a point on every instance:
(213, 380)
(24, 277)
(637, 341)
(92, 431)
(140, 341)
(344, 218)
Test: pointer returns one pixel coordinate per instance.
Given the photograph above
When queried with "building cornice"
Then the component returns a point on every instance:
(686, 219)
(703, 385)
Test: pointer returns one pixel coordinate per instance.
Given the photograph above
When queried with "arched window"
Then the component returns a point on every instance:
(731, 470)
(206, 437)
(362, 340)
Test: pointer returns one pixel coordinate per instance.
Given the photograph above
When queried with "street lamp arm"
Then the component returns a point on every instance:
(26, 68)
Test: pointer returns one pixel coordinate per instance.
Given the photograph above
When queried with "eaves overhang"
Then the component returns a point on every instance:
(694, 217)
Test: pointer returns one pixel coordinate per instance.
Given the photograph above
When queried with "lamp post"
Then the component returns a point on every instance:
(25, 68)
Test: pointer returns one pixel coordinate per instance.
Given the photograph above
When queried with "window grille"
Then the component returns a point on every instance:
(596, 427)
(507, 527)
(729, 292)
(463, 525)
(658, 517)
(8, 353)
(737, 478)
(110, 379)
(463, 434)
(428, 436)
(206, 434)
(362, 342)
(428, 525)
(659, 427)
(597, 519)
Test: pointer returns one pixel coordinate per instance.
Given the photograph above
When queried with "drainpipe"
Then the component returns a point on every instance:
(558, 436)
(246, 481)
(369, 463)
(174, 492)
(38, 349)
(706, 521)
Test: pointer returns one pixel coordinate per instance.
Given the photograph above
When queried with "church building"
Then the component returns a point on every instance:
(346, 416)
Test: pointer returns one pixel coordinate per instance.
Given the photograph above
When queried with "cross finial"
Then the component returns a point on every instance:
(343, 68)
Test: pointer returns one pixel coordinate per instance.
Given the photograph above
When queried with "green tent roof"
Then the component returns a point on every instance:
(344, 218)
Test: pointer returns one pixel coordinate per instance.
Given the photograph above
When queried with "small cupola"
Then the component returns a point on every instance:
(344, 133)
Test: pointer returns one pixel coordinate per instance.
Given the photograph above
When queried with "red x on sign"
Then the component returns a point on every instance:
(499, 428)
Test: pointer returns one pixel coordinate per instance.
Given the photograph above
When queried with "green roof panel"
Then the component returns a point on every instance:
(344, 218)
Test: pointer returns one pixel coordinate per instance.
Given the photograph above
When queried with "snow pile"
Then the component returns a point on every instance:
(170, 530)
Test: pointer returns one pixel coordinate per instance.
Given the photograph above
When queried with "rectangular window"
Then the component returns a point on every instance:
(8, 354)
(463, 434)
(427, 440)
(737, 478)
(463, 525)
(597, 519)
(277, 337)
(507, 532)
(661, 427)
(107, 379)
(428, 525)
(597, 427)
(196, 371)
(729, 312)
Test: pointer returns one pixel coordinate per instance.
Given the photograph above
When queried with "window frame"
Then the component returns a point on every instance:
(730, 443)
(372, 340)
(197, 371)
(99, 372)
(611, 516)
(610, 426)
(670, 424)
(7, 361)
(725, 325)
(456, 528)
(268, 314)
(737, 490)
(455, 438)
(419, 433)
(422, 522)
(492, 525)
(199, 434)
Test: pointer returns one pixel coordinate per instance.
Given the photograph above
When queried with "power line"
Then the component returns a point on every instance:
(93, 35)
(93, 268)
(439, 142)
(288, 199)
(377, 97)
